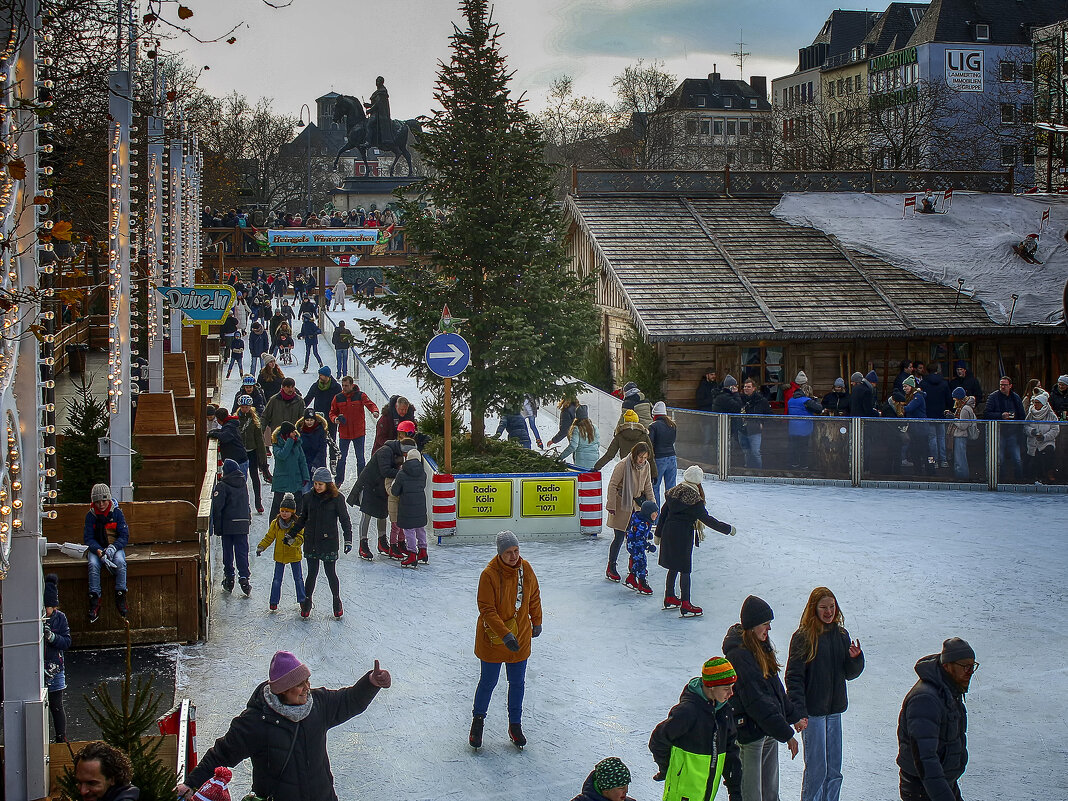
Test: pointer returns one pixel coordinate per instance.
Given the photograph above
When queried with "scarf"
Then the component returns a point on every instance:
(689, 494)
(287, 394)
(293, 713)
(633, 481)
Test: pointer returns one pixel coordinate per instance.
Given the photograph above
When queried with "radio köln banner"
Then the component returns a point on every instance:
(964, 70)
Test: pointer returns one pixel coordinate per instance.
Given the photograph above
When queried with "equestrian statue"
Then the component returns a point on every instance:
(374, 127)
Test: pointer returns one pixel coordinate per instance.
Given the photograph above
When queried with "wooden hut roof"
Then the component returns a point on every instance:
(725, 269)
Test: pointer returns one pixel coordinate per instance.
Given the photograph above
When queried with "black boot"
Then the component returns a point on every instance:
(246, 586)
(475, 737)
(515, 731)
(120, 602)
(228, 584)
(94, 607)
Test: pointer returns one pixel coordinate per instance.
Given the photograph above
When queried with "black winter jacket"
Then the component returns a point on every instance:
(410, 487)
(230, 512)
(289, 760)
(706, 394)
(971, 385)
(567, 417)
(862, 400)
(675, 527)
(728, 402)
(369, 491)
(761, 706)
(939, 397)
(932, 731)
(695, 725)
(662, 434)
(319, 521)
(231, 442)
(1058, 400)
(836, 404)
(754, 404)
(818, 688)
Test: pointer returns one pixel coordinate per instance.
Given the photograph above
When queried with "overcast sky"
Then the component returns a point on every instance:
(296, 54)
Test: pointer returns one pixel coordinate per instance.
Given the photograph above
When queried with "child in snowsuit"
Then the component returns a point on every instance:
(640, 542)
(284, 554)
(410, 487)
(231, 518)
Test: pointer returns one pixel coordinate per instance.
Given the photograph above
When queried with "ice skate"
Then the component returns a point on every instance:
(339, 610)
(423, 556)
(632, 582)
(383, 545)
(365, 552)
(611, 574)
(644, 588)
(395, 551)
(246, 586)
(410, 560)
(689, 610)
(305, 607)
(515, 732)
(475, 737)
(120, 602)
(671, 602)
(94, 607)
(228, 584)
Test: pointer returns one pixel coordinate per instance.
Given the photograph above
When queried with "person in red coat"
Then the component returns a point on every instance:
(347, 412)
(399, 409)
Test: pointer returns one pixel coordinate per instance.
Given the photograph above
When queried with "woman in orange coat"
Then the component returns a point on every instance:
(509, 615)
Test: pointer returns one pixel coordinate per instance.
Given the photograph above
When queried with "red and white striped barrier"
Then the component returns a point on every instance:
(590, 503)
(443, 513)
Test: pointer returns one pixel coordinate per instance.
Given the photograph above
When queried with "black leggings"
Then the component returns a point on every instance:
(330, 568)
(617, 543)
(684, 584)
(254, 474)
(59, 715)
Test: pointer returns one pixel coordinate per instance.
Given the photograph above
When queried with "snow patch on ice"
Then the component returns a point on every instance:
(973, 241)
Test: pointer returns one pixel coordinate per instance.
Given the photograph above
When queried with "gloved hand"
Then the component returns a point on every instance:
(348, 546)
(511, 643)
(535, 631)
(259, 552)
(49, 635)
(288, 540)
(701, 534)
(109, 558)
(659, 776)
(341, 419)
(732, 532)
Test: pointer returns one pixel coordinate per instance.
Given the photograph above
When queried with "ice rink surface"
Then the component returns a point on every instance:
(909, 568)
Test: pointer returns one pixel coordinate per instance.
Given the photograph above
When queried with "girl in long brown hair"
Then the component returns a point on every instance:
(822, 659)
(584, 444)
(765, 714)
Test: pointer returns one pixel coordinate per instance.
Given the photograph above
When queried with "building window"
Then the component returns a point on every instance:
(841, 87)
(717, 126)
(727, 102)
(1008, 113)
(1027, 73)
(753, 103)
(743, 127)
(1008, 71)
(706, 127)
(982, 33)
(700, 101)
(1027, 155)
(1026, 114)
(732, 127)
(764, 365)
(691, 127)
(1008, 155)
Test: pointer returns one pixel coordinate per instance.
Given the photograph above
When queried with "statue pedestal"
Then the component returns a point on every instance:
(359, 190)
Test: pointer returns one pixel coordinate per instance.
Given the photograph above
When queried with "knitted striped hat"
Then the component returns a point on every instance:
(718, 672)
(609, 774)
(215, 788)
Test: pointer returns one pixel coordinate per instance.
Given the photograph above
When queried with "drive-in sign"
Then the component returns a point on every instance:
(964, 70)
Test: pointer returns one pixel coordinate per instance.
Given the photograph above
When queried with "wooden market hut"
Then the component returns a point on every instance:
(717, 280)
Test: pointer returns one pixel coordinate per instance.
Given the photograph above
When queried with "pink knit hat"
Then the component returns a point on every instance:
(287, 672)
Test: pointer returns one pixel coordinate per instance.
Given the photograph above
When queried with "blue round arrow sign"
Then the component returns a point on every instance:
(448, 355)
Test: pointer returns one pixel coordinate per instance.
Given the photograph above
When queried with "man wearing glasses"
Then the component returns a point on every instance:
(931, 730)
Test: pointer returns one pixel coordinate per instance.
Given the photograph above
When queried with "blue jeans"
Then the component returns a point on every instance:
(253, 364)
(751, 449)
(342, 363)
(960, 458)
(532, 422)
(238, 359)
(936, 443)
(235, 545)
(823, 759)
(94, 570)
(357, 445)
(309, 346)
(1009, 448)
(491, 672)
(667, 470)
(279, 574)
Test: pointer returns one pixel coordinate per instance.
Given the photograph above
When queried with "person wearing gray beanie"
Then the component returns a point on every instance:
(509, 617)
(1058, 397)
(931, 729)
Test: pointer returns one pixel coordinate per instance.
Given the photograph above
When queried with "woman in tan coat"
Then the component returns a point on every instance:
(631, 479)
(627, 435)
(509, 615)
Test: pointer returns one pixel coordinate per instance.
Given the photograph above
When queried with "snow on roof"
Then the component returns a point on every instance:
(973, 241)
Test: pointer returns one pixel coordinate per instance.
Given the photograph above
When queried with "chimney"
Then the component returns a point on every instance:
(760, 85)
(713, 80)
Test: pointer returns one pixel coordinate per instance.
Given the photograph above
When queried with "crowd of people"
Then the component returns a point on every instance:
(257, 217)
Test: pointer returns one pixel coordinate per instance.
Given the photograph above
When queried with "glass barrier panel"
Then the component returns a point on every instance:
(604, 410)
(907, 449)
(1032, 452)
(697, 439)
(790, 446)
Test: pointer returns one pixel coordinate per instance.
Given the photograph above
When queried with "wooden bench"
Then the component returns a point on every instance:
(165, 558)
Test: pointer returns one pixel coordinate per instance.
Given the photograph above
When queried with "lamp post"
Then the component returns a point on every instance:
(300, 124)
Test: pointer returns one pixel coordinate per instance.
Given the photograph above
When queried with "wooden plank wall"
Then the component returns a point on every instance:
(59, 759)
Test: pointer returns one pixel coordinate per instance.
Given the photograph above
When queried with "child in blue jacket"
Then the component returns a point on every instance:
(640, 542)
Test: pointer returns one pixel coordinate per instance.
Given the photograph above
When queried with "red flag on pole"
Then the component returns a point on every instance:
(910, 200)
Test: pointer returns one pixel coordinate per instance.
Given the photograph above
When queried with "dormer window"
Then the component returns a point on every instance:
(727, 102)
(701, 101)
(753, 103)
(982, 33)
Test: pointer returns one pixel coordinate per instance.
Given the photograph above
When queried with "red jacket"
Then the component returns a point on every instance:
(352, 407)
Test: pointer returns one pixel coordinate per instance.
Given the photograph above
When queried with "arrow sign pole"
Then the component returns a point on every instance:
(448, 426)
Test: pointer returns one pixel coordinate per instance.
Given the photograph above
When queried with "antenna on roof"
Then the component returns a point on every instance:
(741, 55)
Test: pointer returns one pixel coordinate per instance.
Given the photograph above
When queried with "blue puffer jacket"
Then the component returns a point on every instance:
(230, 513)
(313, 442)
(516, 427)
(53, 652)
(107, 529)
(916, 410)
(309, 331)
(290, 466)
(932, 731)
(258, 343)
(662, 434)
(231, 441)
(800, 407)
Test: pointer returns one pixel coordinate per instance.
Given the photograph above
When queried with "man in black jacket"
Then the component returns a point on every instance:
(283, 731)
(1005, 405)
(751, 432)
(964, 378)
(939, 401)
(933, 724)
(861, 397)
(700, 724)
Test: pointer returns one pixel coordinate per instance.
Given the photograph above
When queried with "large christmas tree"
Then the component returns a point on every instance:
(495, 254)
